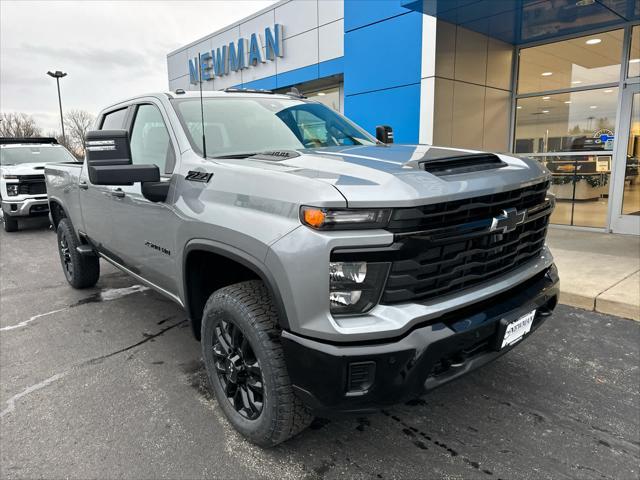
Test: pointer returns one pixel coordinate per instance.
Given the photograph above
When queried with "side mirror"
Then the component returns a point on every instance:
(384, 133)
(107, 147)
(109, 160)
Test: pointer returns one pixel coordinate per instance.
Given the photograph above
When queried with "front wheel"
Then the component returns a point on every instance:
(245, 365)
(10, 223)
(79, 270)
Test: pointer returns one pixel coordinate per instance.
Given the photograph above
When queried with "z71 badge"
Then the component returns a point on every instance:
(194, 176)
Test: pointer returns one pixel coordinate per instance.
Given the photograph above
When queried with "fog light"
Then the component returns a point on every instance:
(345, 299)
(354, 287)
(348, 271)
(12, 189)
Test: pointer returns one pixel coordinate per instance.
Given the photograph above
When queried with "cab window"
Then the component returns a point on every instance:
(114, 120)
(150, 142)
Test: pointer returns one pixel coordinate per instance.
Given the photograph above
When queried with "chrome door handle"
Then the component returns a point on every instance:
(118, 192)
(83, 185)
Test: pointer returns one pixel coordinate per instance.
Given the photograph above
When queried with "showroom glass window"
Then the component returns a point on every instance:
(566, 109)
(634, 52)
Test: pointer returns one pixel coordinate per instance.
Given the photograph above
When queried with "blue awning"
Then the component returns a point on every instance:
(524, 21)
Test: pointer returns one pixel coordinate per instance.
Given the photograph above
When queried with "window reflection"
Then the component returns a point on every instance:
(631, 198)
(329, 97)
(572, 134)
(590, 60)
(567, 122)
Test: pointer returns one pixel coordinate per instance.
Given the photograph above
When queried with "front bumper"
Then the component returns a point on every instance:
(385, 373)
(29, 207)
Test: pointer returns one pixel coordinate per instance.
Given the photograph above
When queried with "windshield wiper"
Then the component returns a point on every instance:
(238, 155)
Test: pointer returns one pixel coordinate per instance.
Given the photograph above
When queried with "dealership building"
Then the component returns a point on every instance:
(557, 80)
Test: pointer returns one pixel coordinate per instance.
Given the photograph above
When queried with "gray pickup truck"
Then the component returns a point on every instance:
(323, 270)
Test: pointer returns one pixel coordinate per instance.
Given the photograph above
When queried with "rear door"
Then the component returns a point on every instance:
(144, 232)
(95, 200)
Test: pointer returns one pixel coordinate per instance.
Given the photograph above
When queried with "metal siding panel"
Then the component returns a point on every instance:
(177, 64)
(180, 82)
(374, 64)
(331, 67)
(299, 75)
(300, 51)
(398, 107)
(331, 43)
(268, 83)
(297, 16)
(358, 13)
(330, 11)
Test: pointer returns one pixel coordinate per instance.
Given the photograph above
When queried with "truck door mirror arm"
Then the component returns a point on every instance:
(155, 191)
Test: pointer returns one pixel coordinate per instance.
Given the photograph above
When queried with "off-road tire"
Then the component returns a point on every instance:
(85, 270)
(249, 307)
(10, 224)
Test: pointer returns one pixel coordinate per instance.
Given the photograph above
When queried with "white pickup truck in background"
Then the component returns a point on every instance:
(23, 191)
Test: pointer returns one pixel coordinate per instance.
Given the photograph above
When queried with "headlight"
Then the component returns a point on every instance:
(12, 189)
(355, 286)
(10, 177)
(344, 219)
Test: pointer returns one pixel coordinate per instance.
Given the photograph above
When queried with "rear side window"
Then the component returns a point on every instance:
(114, 120)
(150, 142)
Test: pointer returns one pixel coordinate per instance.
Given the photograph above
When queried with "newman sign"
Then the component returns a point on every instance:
(237, 56)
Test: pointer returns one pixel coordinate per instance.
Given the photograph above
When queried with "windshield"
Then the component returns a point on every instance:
(236, 126)
(34, 154)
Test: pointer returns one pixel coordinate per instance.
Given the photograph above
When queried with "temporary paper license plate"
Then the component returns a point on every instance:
(517, 329)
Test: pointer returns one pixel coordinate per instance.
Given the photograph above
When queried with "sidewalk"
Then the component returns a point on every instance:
(598, 271)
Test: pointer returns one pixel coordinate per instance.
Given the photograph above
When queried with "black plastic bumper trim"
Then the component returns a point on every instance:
(425, 358)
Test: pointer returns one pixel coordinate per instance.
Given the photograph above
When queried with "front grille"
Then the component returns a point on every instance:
(31, 185)
(447, 247)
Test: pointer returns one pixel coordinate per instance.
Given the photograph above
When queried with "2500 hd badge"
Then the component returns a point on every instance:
(324, 270)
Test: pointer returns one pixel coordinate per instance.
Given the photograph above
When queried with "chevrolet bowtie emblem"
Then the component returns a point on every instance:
(508, 220)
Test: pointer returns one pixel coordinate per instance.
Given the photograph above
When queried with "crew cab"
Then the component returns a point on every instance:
(22, 187)
(322, 269)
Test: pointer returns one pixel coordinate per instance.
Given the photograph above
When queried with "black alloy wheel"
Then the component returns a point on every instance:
(238, 370)
(65, 256)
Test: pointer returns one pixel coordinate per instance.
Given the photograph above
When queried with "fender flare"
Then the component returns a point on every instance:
(243, 258)
(58, 202)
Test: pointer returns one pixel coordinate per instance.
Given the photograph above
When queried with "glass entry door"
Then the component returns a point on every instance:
(625, 217)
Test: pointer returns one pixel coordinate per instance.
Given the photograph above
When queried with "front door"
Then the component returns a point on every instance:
(144, 232)
(625, 217)
(96, 199)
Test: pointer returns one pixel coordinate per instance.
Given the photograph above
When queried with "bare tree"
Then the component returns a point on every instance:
(62, 141)
(16, 124)
(77, 123)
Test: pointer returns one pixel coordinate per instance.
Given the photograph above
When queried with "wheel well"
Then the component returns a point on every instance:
(206, 272)
(57, 213)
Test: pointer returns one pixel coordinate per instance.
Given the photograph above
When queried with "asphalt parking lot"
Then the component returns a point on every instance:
(108, 383)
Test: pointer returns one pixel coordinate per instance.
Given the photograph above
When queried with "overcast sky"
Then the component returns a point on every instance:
(110, 50)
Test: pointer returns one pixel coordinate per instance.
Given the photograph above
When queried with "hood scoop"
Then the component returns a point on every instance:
(38, 168)
(276, 155)
(458, 164)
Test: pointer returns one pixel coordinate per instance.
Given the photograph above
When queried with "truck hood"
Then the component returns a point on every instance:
(24, 169)
(394, 175)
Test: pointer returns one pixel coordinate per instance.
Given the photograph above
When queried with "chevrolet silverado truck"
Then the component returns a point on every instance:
(322, 269)
(22, 187)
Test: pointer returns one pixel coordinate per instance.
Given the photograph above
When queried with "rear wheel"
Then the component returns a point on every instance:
(245, 364)
(81, 271)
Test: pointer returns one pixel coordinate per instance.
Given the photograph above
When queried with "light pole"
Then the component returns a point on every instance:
(58, 75)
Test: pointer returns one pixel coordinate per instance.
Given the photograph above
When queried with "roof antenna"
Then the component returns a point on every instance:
(204, 141)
